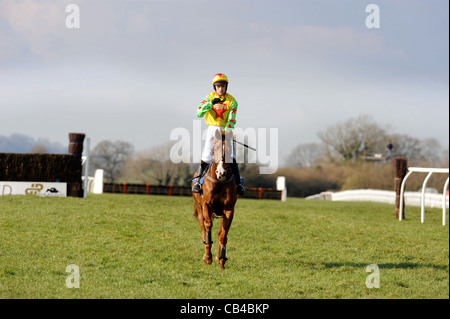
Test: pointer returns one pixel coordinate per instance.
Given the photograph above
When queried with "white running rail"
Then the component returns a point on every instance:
(430, 171)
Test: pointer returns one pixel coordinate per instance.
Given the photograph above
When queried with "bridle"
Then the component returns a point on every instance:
(221, 160)
(222, 150)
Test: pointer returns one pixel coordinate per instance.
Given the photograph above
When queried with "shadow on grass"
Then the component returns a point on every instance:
(401, 265)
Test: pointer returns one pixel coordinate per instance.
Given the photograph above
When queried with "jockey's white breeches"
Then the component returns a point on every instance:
(207, 155)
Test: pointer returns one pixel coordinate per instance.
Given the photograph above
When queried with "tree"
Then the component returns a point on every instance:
(417, 151)
(305, 155)
(351, 139)
(39, 149)
(110, 157)
(431, 151)
(154, 166)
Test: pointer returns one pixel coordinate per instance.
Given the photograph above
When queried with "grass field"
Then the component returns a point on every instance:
(137, 246)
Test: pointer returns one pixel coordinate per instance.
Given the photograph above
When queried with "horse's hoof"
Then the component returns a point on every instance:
(207, 259)
(222, 263)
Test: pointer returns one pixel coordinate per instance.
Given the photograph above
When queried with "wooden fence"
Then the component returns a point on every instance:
(171, 190)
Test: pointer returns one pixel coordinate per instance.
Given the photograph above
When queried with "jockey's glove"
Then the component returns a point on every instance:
(217, 100)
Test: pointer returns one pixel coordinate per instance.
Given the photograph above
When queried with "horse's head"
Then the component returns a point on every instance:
(222, 153)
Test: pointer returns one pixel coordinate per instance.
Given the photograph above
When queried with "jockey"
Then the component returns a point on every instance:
(219, 109)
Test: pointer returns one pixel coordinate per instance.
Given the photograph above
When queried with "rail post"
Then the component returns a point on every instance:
(400, 170)
(76, 149)
(422, 201)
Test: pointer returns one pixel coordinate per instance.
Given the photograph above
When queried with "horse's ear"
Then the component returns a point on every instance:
(218, 135)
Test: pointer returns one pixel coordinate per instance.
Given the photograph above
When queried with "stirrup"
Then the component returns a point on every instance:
(240, 189)
(196, 188)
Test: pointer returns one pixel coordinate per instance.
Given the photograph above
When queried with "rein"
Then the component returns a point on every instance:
(206, 173)
(229, 179)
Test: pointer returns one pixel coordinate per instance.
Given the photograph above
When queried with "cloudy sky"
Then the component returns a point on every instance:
(136, 70)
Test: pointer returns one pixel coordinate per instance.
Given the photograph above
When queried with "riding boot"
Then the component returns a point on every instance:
(239, 188)
(197, 188)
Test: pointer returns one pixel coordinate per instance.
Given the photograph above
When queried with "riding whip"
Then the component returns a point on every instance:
(254, 149)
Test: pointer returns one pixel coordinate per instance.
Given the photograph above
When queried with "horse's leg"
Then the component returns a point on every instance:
(207, 242)
(221, 230)
(225, 224)
(199, 214)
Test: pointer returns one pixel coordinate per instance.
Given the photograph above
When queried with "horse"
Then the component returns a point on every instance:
(217, 199)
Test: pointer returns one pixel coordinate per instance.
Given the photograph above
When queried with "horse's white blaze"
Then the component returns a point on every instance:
(220, 171)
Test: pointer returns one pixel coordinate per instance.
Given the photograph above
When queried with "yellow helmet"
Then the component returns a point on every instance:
(219, 77)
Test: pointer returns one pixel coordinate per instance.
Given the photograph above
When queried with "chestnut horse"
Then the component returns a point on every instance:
(218, 198)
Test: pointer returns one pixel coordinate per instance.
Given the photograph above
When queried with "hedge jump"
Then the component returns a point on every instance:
(49, 168)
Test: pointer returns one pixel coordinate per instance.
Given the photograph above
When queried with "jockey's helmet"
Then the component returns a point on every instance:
(220, 79)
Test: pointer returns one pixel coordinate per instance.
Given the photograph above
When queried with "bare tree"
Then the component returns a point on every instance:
(417, 151)
(352, 138)
(431, 151)
(305, 155)
(444, 158)
(110, 157)
(154, 166)
(39, 149)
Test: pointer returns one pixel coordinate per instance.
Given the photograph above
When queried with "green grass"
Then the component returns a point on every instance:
(137, 246)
